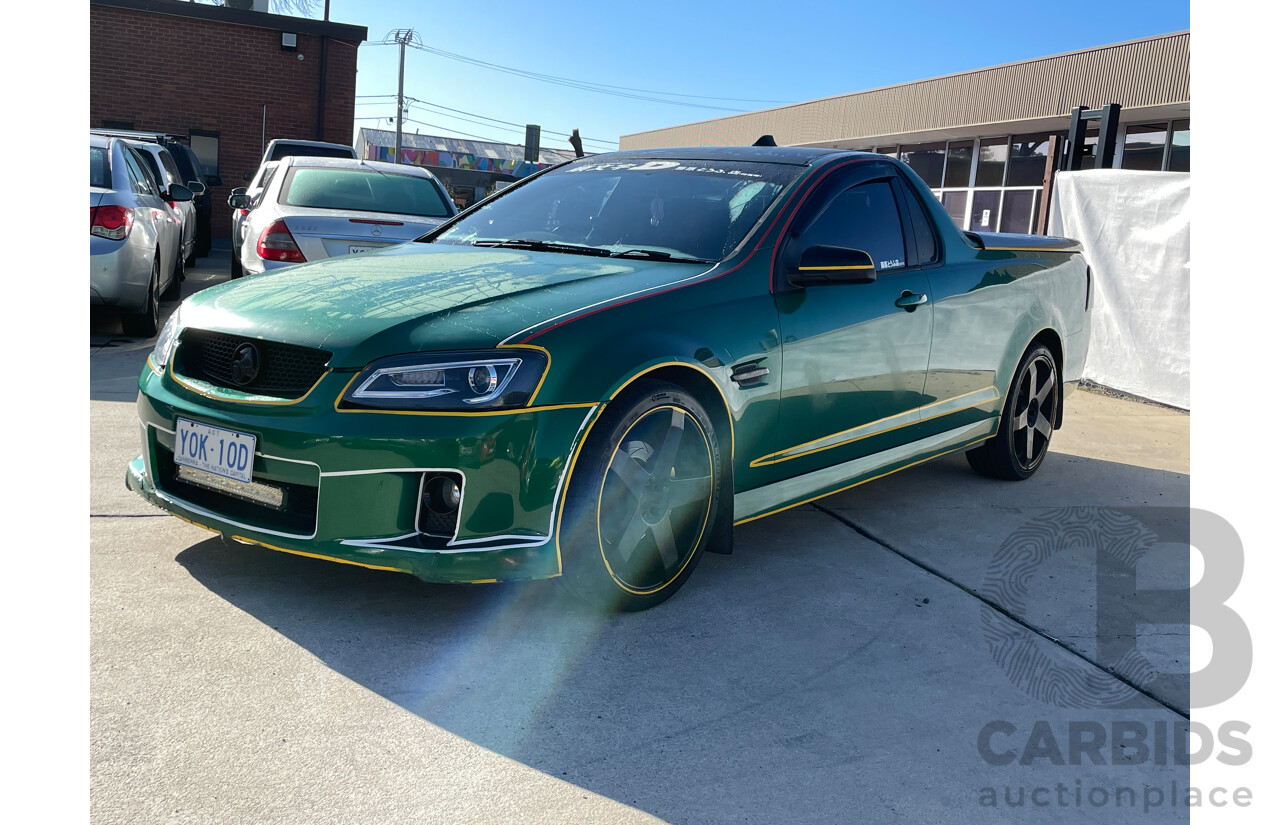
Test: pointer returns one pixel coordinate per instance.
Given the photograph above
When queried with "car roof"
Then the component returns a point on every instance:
(292, 142)
(145, 144)
(99, 140)
(792, 155)
(353, 163)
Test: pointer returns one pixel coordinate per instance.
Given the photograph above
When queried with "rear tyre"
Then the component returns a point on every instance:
(642, 499)
(190, 262)
(144, 324)
(237, 270)
(1026, 423)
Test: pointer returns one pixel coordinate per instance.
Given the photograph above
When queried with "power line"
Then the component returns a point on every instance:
(570, 83)
(492, 122)
(588, 83)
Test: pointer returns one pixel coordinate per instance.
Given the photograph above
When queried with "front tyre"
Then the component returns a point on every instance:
(1026, 423)
(641, 500)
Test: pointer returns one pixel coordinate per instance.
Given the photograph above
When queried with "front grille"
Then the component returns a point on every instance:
(283, 370)
(296, 515)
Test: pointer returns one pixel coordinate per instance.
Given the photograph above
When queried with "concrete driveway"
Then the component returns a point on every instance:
(886, 654)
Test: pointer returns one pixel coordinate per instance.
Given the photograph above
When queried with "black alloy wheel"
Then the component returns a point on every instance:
(642, 500)
(1026, 424)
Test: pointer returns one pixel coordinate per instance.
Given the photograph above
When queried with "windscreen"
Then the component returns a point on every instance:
(699, 209)
(287, 151)
(99, 172)
(363, 191)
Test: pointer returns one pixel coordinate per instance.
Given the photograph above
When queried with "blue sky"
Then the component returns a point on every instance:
(778, 52)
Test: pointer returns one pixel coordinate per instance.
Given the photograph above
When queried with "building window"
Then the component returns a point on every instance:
(1019, 210)
(205, 145)
(891, 151)
(959, 163)
(926, 160)
(1180, 147)
(993, 153)
(1144, 146)
(985, 213)
(1027, 155)
(956, 203)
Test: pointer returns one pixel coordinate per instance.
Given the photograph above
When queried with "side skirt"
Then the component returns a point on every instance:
(792, 492)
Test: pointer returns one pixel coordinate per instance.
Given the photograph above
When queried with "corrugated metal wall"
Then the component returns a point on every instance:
(1150, 72)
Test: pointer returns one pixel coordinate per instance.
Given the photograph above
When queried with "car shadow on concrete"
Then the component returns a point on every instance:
(810, 674)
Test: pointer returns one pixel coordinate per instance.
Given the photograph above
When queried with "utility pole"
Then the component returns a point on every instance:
(403, 37)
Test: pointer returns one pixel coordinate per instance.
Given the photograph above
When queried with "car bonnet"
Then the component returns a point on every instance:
(420, 297)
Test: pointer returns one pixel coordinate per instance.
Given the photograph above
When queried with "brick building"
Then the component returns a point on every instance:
(230, 79)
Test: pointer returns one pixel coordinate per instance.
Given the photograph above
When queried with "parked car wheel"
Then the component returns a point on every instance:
(191, 259)
(642, 499)
(1026, 424)
(144, 324)
(237, 269)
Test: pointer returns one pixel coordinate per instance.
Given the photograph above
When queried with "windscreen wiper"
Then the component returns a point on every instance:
(545, 246)
(658, 255)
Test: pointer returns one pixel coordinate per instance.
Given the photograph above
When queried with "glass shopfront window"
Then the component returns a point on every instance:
(985, 210)
(955, 203)
(1180, 147)
(1027, 155)
(1019, 211)
(1144, 146)
(959, 163)
(926, 160)
(993, 154)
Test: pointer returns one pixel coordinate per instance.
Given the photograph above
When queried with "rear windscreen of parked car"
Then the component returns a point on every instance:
(361, 191)
(99, 174)
(282, 152)
(698, 208)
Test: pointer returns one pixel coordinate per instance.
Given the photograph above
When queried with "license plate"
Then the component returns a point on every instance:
(226, 453)
(354, 249)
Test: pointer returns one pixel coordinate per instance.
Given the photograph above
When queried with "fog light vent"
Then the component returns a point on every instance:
(438, 508)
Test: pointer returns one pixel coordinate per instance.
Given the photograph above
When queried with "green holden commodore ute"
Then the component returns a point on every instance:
(598, 372)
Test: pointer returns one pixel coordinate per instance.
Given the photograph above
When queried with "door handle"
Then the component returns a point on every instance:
(910, 300)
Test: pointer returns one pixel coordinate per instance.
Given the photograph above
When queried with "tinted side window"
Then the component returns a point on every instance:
(171, 168)
(926, 242)
(864, 217)
(137, 178)
(186, 169)
(152, 169)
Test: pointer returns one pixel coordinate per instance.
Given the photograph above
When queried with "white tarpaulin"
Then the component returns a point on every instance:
(1136, 232)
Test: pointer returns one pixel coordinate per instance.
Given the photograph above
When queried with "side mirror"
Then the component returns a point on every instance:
(823, 265)
(213, 180)
(239, 190)
(197, 188)
(178, 192)
(240, 201)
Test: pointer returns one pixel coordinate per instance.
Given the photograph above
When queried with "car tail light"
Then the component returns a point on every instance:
(243, 212)
(276, 243)
(112, 222)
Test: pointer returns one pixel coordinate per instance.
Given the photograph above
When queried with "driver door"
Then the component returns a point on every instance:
(855, 356)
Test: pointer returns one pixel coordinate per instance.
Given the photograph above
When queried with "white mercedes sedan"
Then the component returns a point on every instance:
(316, 208)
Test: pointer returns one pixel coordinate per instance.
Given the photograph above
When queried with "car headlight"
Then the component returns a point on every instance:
(166, 339)
(495, 379)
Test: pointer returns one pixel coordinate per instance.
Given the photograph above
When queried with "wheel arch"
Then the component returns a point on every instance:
(1053, 342)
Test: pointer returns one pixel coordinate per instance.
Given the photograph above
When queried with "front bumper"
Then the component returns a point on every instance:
(354, 479)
